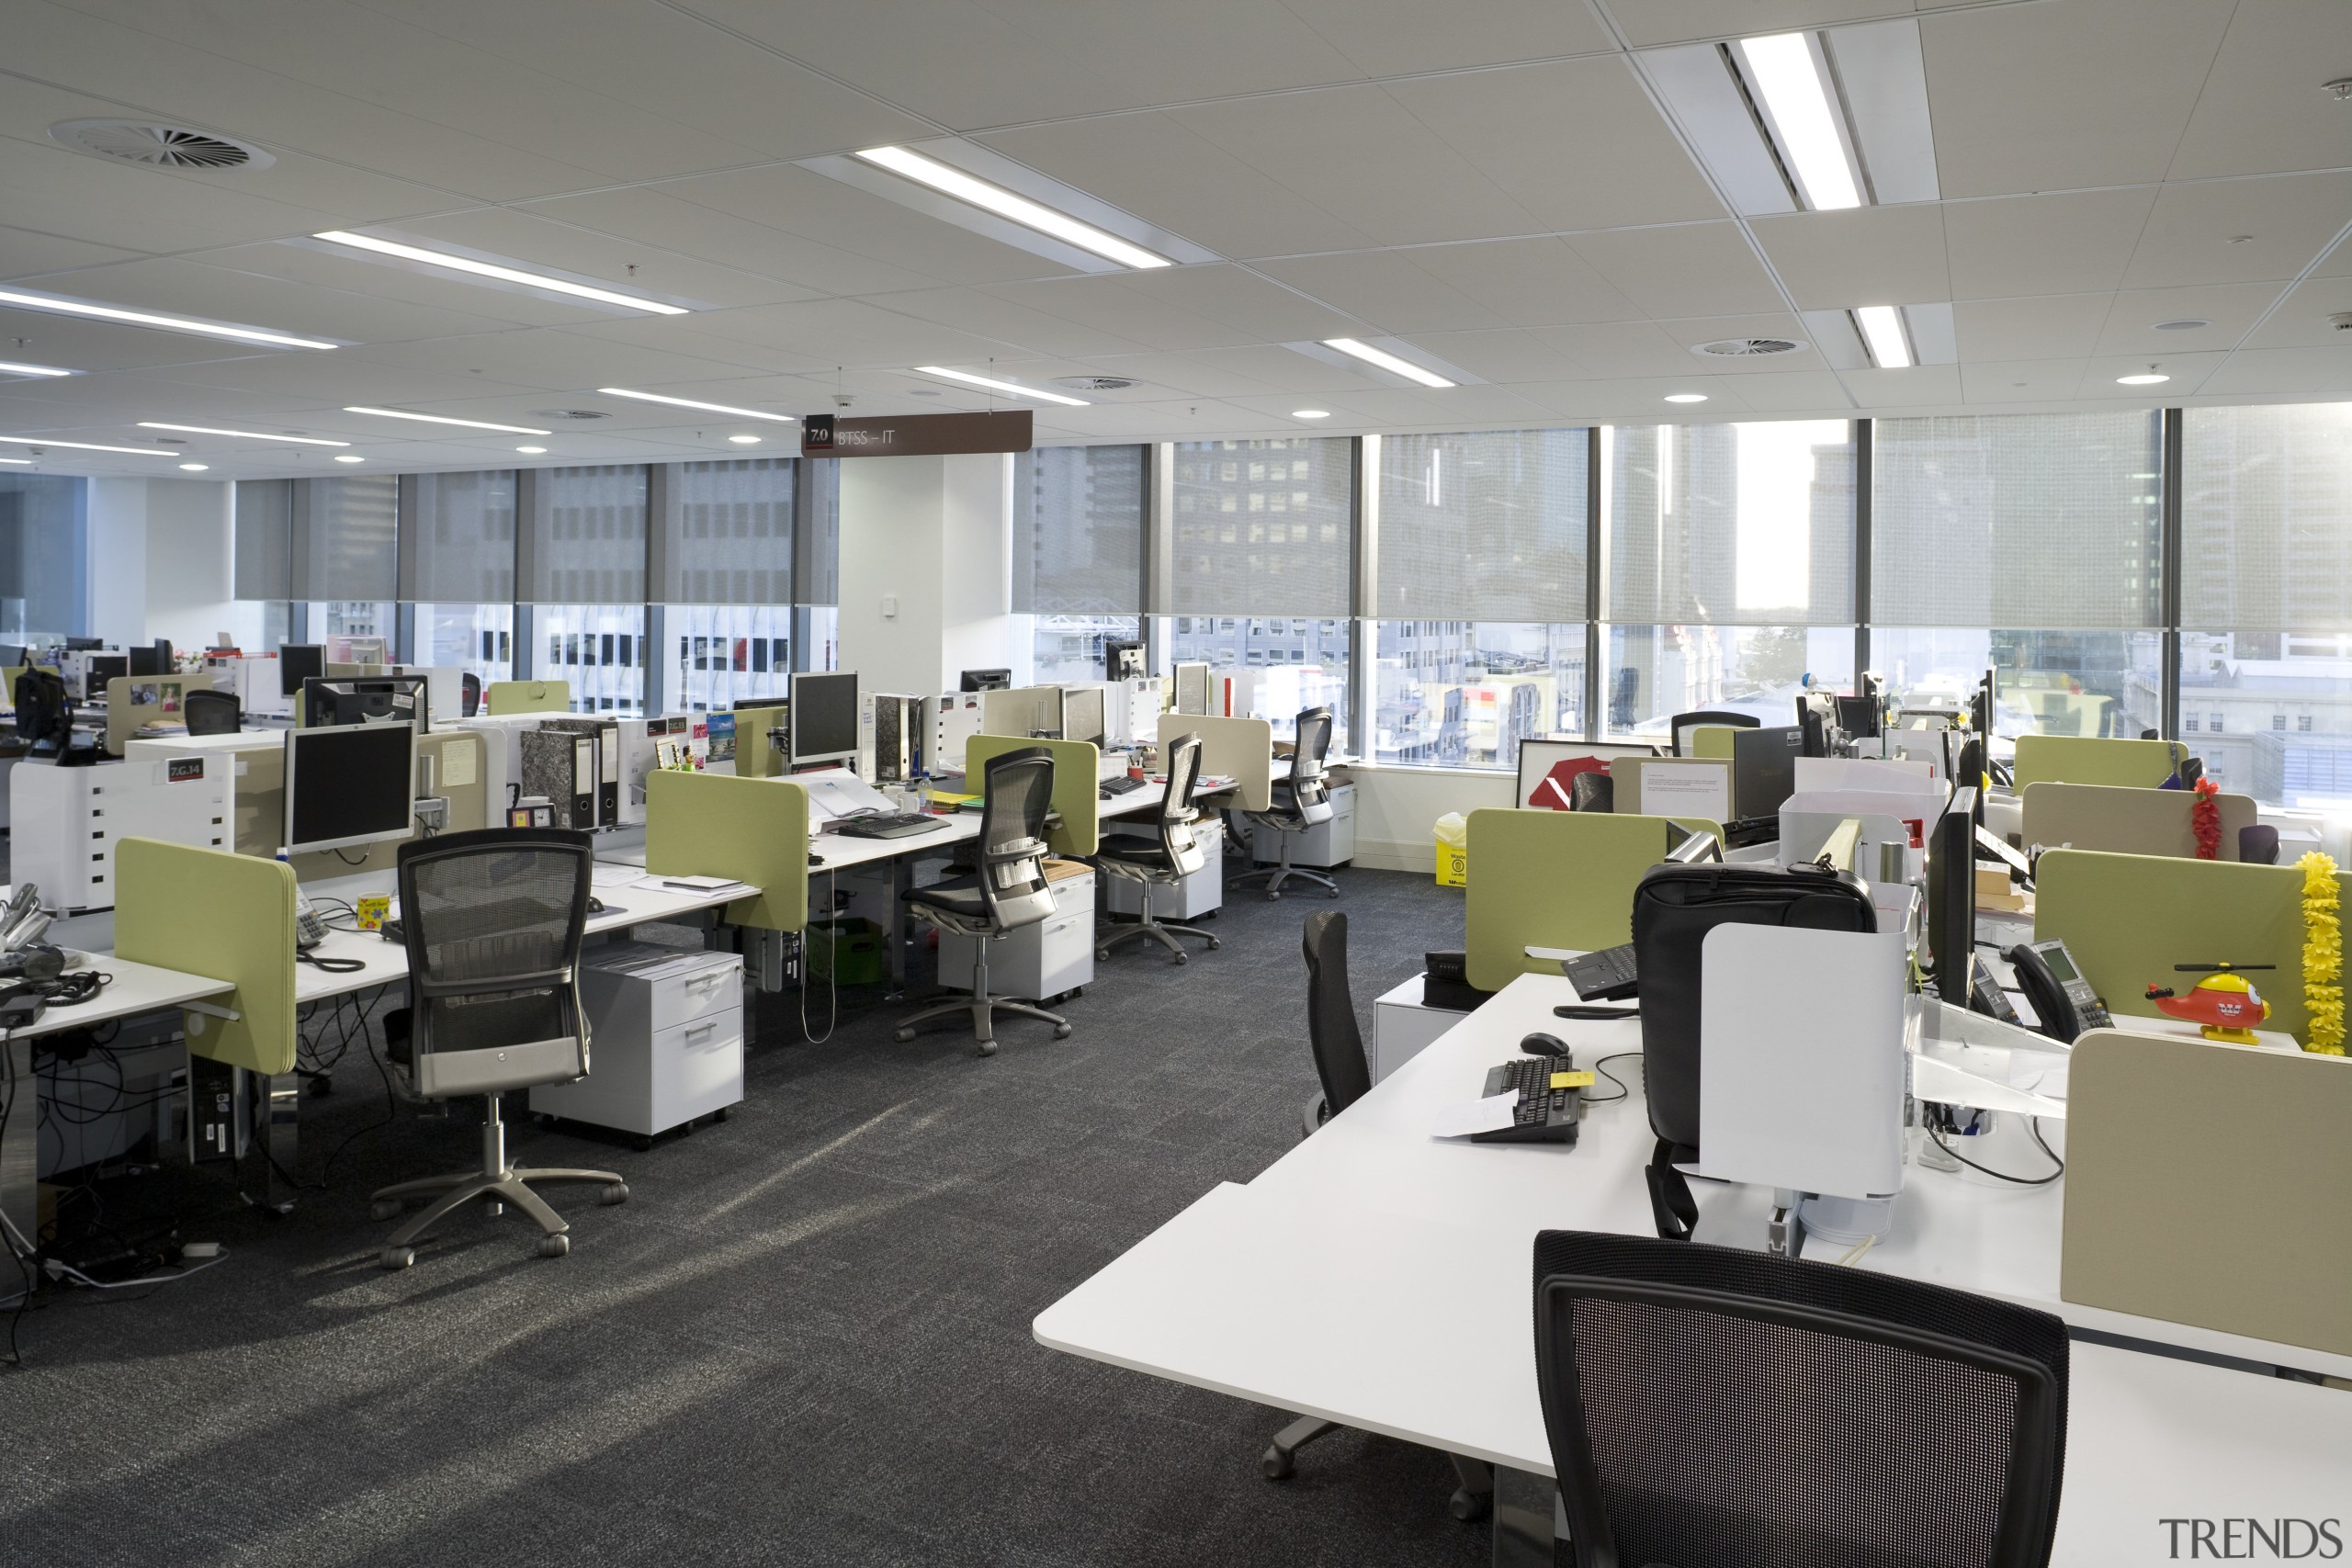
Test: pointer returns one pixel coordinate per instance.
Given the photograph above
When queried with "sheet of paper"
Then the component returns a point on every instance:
(2039, 1074)
(603, 876)
(696, 884)
(1491, 1114)
(1681, 787)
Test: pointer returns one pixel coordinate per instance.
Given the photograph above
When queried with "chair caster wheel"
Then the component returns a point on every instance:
(1062, 1033)
(988, 1048)
(1278, 1465)
(643, 1142)
(397, 1256)
(493, 1208)
(384, 1209)
(903, 1036)
(718, 1115)
(1102, 952)
(1272, 896)
(1215, 944)
(616, 1193)
(1184, 958)
(1466, 1506)
(554, 1245)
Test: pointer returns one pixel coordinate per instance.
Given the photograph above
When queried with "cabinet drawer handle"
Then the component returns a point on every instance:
(703, 1028)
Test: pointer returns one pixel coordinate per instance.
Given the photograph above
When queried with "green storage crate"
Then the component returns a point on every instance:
(848, 952)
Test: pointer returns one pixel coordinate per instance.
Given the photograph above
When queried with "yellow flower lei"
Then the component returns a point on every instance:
(2322, 955)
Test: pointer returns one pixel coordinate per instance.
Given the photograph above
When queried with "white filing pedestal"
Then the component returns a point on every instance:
(1199, 893)
(1051, 958)
(1402, 1025)
(1325, 845)
(666, 1045)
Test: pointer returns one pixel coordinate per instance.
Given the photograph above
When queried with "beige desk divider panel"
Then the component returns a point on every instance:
(459, 763)
(2091, 759)
(229, 917)
(2127, 821)
(1076, 763)
(754, 757)
(505, 697)
(166, 703)
(2210, 1185)
(1239, 748)
(754, 831)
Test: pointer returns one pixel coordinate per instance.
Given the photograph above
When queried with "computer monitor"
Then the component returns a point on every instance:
(1951, 896)
(1193, 688)
(155, 661)
(98, 669)
(1764, 768)
(1082, 714)
(1980, 706)
(367, 699)
(1855, 717)
(822, 724)
(13, 654)
(349, 784)
(297, 662)
(1122, 660)
(985, 681)
(83, 644)
(44, 707)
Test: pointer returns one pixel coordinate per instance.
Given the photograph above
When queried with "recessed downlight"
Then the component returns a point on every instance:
(1686, 397)
(444, 419)
(532, 451)
(501, 274)
(247, 435)
(744, 440)
(348, 458)
(1310, 413)
(995, 199)
(2149, 379)
(195, 467)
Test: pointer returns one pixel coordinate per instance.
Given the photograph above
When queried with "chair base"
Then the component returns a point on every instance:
(496, 1183)
(983, 1010)
(1107, 937)
(1472, 1500)
(1276, 875)
(1280, 1459)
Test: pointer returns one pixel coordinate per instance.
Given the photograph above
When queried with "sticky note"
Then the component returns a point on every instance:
(1571, 1080)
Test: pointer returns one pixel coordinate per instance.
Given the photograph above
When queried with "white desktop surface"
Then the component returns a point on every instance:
(135, 988)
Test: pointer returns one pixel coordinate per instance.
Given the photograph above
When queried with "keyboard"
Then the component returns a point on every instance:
(888, 825)
(1545, 1114)
(1605, 976)
(1118, 786)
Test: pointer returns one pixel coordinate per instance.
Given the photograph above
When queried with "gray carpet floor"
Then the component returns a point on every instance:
(804, 1341)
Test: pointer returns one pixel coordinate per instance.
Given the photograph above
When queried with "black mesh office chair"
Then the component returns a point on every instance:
(492, 920)
(469, 695)
(209, 711)
(1298, 803)
(1593, 791)
(1708, 1405)
(1683, 723)
(1009, 892)
(1161, 863)
(2259, 845)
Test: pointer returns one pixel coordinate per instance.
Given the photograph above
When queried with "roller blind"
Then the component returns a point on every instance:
(587, 535)
(727, 532)
(2267, 518)
(1730, 525)
(1077, 530)
(1484, 527)
(823, 550)
(1263, 527)
(345, 538)
(2015, 521)
(264, 546)
(459, 547)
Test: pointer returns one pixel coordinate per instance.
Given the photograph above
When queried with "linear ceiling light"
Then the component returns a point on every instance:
(503, 273)
(20, 462)
(87, 446)
(1015, 387)
(995, 199)
(438, 419)
(691, 403)
(11, 368)
(1786, 74)
(147, 319)
(1386, 361)
(248, 435)
(1883, 329)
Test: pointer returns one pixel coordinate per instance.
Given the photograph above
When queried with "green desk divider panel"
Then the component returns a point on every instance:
(2068, 759)
(756, 830)
(2129, 918)
(1711, 741)
(1552, 879)
(227, 917)
(2128, 821)
(1075, 763)
(754, 757)
(503, 697)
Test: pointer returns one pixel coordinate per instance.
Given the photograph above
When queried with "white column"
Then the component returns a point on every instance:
(116, 605)
(191, 550)
(926, 569)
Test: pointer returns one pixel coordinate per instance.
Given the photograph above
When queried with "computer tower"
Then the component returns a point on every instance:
(902, 738)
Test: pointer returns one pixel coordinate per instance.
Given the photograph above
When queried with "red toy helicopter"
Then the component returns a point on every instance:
(2226, 1003)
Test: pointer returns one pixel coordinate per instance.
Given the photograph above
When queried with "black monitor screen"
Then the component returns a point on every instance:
(98, 669)
(986, 680)
(149, 661)
(1951, 897)
(366, 699)
(349, 784)
(297, 661)
(824, 716)
(1764, 767)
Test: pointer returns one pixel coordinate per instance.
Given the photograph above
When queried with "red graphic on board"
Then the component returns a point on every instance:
(1551, 792)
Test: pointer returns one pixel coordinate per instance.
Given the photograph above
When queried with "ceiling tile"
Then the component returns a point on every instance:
(1184, 307)
(1384, 38)
(1690, 332)
(79, 344)
(2242, 231)
(1637, 401)
(2301, 318)
(1601, 350)
(809, 335)
(1674, 21)
(539, 239)
(230, 294)
(2231, 308)
(2070, 94)
(1865, 255)
(330, 271)
(1917, 386)
(2041, 326)
(2021, 380)
(24, 252)
(1503, 357)
(989, 313)
(2077, 242)
(1688, 269)
(551, 360)
(1794, 391)
(1388, 288)
(2281, 372)
(2261, 108)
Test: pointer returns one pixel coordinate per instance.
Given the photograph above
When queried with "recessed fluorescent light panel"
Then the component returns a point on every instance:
(1686, 397)
(1310, 413)
(441, 419)
(248, 435)
(14, 367)
(1790, 78)
(2150, 380)
(532, 451)
(744, 440)
(1881, 327)
(1014, 388)
(500, 273)
(347, 458)
(954, 182)
(691, 403)
(1386, 361)
(87, 446)
(148, 319)
(19, 462)
(196, 468)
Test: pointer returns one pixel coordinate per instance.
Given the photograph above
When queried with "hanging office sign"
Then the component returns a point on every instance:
(915, 434)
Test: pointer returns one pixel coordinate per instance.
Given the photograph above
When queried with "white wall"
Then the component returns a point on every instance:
(190, 545)
(934, 535)
(115, 593)
(1397, 807)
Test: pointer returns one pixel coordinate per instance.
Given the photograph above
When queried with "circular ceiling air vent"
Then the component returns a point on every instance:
(1747, 347)
(571, 413)
(2185, 324)
(1093, 383)
(158, 146)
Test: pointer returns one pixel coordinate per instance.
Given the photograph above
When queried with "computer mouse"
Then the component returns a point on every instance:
(1545, 1045)
(596, 905)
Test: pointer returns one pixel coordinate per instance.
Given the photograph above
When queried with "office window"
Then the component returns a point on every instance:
(587, 536)
(2189, 723)
(2303, 724)
(727, 532)
(1465, 693)
(720, 653)
(460, 541)
(345, 533)
(1077, 530)
(264, 516)
(1656, 671)
(2048, 682)
(2253, 673)
(1263, 527)
(1730, 524)
(44, 545)
(1282, 666)
(1069, 647)
(478, 639)
(599, 649)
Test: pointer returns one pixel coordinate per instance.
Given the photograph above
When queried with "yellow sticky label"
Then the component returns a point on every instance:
(1571, 1080)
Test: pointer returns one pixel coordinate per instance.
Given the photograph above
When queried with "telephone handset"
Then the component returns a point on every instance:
(2052, 981)
(1985, 996)
(309, 929)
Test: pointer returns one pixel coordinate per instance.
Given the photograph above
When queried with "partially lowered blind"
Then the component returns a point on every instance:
(727, 532)
(346, 535)
(1077, 530)
(1263, 527)
(1730, 525)
(264, 546)
(587, 535)
(460, 542)
(2266, 519)
(1484, 527)
(2017, 521)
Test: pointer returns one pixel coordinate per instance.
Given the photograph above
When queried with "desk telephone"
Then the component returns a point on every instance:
(2054, 983)
(309, 929)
